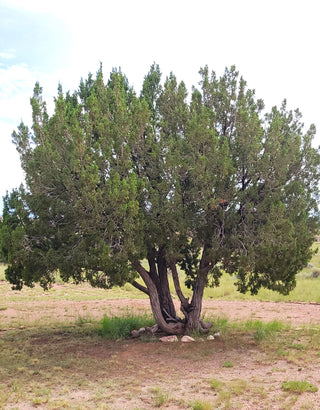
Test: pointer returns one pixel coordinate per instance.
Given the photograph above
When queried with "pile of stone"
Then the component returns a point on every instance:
(169, 339)
(187, 339)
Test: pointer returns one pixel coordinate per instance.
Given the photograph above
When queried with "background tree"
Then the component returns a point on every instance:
(207, 185)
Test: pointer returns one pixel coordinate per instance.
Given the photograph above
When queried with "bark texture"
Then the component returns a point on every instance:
(158, 289)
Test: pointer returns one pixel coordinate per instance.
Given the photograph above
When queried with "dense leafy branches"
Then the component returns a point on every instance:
(209, 184)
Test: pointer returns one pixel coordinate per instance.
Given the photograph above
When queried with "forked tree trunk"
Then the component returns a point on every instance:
(166, 302)
(157, 288)
(167, 327)
(159, 275)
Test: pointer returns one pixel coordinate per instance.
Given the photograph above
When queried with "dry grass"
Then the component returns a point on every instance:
(58, 359)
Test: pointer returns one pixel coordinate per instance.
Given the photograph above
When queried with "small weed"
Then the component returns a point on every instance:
(238, 386)
(299, 387)
(297, 346)
(3, 308)
(159, 397)
(227, 364)
(216, 385)
(201, 405)
(282, 352)
(37, 401)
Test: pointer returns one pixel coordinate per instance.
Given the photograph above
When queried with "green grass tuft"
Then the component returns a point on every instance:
(227, 364)
(216, 385)
(119, 327)
(201, 405)
(263, 330)
(299, 387)
(159, 396)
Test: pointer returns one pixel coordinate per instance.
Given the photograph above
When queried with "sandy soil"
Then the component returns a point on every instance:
(296, 314)
(142, 371)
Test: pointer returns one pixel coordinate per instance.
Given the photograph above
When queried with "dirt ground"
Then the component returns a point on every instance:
(148, 375)
(295, 314)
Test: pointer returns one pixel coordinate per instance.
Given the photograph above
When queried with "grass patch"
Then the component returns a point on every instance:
(219, 324)
(119, 327)
(297, 346)
(228, 364)
(201, 405)
(264, 330)
(159, 397)
(299, 387)
(216, 385)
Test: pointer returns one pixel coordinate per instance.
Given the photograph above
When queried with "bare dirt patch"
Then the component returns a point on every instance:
(296, 314)
(94, 373)
(58, 369)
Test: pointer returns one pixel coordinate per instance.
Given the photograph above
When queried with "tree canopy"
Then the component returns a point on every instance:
(206, 183)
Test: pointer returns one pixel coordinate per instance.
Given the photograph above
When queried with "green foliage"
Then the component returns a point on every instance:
(119, 327)
(299, 387)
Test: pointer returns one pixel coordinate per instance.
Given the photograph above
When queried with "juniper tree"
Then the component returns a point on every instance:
(203, 184)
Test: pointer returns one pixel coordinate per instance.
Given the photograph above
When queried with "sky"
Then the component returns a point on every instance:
(274, 45)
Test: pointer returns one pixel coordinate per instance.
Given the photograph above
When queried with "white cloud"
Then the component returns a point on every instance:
(11, 175)
(16, 85)
(8, 54)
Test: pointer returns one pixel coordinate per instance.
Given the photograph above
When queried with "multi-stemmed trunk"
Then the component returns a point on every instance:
(158, 290)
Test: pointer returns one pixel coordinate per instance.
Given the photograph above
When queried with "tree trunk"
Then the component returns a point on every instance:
(170, 328)
(194, 322)
(167, 306)
(159, 275)
(157, 287)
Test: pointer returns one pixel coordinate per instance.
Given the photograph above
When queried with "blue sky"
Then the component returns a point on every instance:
(274, 45)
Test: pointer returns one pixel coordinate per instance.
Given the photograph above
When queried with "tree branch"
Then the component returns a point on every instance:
(140, 287)
(184, 301)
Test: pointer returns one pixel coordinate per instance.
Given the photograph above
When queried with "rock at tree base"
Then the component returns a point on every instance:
(135, 333)
(210, 337)
(187, 339)
(169, 339)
